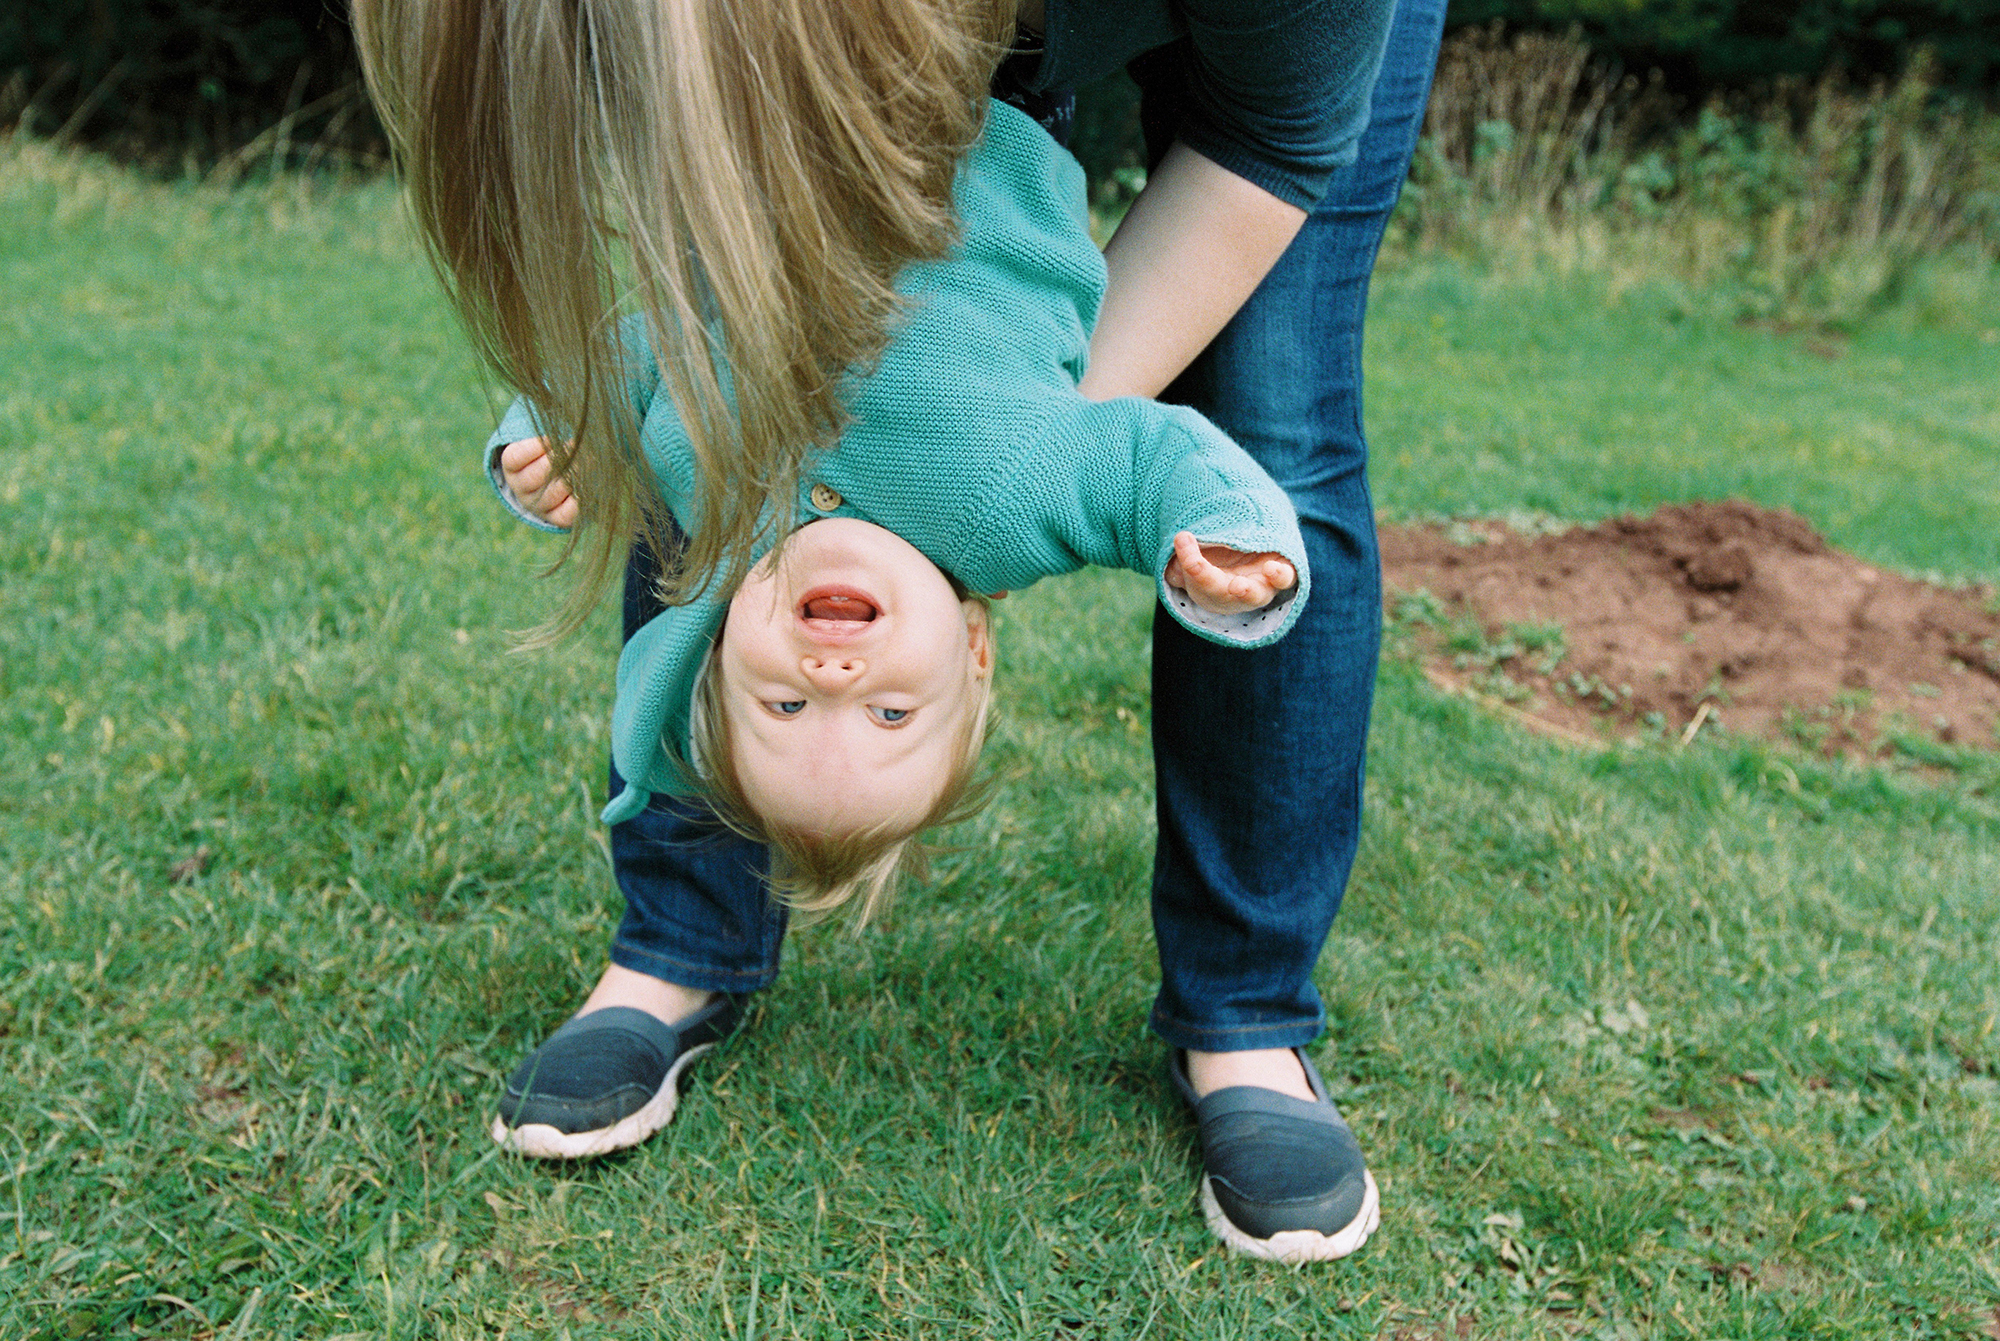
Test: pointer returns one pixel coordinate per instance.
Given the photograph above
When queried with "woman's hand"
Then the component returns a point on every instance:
(1224, 581)
(531, 477)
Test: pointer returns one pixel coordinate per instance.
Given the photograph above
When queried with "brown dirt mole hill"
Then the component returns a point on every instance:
(1740, 608)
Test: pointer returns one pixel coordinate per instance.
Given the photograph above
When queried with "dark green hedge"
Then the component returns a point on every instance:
(1700, 47)
(184, 78)
(201, 78)
(1706, 46)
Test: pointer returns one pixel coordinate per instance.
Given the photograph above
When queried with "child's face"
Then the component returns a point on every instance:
(848, 669)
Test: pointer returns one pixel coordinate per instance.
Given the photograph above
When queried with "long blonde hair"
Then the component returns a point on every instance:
(749, 174)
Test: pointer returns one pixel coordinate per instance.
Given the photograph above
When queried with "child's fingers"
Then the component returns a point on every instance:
(556, 503)
(1193, 563)
(1220, 592)
(530, 479)
(517, 456)
(1252, 593)
(1231, 581)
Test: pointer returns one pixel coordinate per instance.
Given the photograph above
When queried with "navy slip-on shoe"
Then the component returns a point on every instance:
(605, 1080)
(1282, 1179)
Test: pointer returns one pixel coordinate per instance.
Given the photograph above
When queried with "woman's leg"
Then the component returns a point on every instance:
(1260, 754)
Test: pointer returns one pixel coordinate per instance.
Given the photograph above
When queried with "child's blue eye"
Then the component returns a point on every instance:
(790, 707)
(890, 716)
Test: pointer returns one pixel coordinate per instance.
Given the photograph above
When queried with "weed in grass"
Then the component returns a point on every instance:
(1544, 643)
(1832, 726)
(1539, 646)
(1592, 689)
(1498, 684)
(1418, 608)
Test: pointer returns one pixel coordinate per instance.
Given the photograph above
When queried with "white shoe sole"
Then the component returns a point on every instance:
(1295, 1245)
(539, 1140)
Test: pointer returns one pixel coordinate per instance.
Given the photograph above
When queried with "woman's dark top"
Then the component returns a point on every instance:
(1277, 89)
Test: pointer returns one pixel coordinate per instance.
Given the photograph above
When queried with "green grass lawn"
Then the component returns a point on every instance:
(1488, 396)
(296, 859)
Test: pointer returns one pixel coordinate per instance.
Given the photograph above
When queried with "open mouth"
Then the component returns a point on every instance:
(837, 609)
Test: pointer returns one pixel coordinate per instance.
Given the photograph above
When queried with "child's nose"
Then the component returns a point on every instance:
(832, 672)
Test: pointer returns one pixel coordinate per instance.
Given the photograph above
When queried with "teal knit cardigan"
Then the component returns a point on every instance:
(971, 442)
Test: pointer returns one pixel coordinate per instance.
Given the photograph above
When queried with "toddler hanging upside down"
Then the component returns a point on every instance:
(833, 704)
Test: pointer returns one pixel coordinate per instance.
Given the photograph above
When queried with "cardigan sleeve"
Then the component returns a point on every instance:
(642, 383)
(1118, 479)
(519, 422)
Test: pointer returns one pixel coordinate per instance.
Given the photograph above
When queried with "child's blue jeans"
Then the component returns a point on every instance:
(1259, 754)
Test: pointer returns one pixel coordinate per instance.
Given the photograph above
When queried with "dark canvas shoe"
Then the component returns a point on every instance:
(605, 1080)
(1283, 1179)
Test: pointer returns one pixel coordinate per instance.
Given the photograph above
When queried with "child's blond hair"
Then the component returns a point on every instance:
(818, 873)
(750, 174)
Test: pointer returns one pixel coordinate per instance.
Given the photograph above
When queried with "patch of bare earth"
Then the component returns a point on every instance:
(1704, 615)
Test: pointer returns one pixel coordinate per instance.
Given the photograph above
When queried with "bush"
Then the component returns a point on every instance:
(1709, 47)
(1810, 203)
(197, 80)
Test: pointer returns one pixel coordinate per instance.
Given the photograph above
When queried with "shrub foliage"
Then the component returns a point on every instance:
(1685, 53)
(1711, 46)
(202, 80)
(1812, 202)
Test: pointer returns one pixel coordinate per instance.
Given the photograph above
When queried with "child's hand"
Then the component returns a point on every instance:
(530, 476)
(1224, 582)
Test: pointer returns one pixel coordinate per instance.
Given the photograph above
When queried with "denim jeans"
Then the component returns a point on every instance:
(696, 910)
(1259, 754)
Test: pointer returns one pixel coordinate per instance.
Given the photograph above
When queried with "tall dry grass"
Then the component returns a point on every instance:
(1811, 204)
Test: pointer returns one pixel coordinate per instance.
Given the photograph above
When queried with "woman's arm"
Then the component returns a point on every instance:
(1193, 247)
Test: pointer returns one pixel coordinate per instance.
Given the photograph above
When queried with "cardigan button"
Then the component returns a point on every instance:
(825, 498)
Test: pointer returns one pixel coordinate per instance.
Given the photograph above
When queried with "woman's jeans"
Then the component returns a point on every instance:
(1259, 753)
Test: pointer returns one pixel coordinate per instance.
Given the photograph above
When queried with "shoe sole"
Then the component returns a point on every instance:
(1294, 1246)
(538, 1140)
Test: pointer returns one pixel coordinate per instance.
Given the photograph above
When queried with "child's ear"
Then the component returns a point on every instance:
(979, 636)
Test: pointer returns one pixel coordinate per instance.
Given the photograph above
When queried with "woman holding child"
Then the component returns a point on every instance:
(779, 176)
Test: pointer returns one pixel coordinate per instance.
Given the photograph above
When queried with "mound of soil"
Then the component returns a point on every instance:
(1703, 615)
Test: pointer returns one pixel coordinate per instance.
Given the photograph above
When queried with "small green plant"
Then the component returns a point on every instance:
(1593, 690)
(1418, 609)
(1922, 748)
(1547, 641)
(1467, 640)
(1499, 684)
(1540, 646)
(1830, 725)
(1810, 729)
